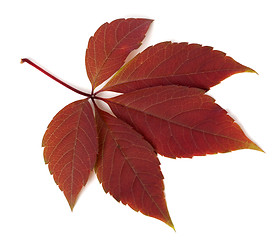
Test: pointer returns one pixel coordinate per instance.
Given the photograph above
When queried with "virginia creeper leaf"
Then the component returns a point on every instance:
(169, 63)
(70, 147)
(180, 121)
(110, 46)
(129, 169)
(163, 109)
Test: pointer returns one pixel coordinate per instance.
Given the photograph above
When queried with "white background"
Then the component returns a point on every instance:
(224, 196)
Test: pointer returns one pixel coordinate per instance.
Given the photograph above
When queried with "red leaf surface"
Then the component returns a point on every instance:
(163, 109)
(180, 121)
(110, 46)
(128, 168)
(169, 63)
(70, 147)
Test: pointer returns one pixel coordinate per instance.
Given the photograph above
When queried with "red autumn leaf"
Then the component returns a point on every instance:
(169, 63)
(110, 46)
(180, 121)
(70, 147)
(129, 169)
(164, 109)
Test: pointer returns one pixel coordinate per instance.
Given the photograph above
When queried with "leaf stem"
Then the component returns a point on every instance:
(23, 60)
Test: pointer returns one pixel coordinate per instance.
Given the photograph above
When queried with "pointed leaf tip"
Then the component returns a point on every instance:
(72, 205)
(250, 70)
(254, 146)
(169, 223)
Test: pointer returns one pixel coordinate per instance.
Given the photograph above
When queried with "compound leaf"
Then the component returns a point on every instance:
(163, 109)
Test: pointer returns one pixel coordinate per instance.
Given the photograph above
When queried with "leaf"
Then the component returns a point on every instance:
(163, 109)
(70, 147)
(110, 45)
(180, 121)
(128, 168)
(169, 63)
